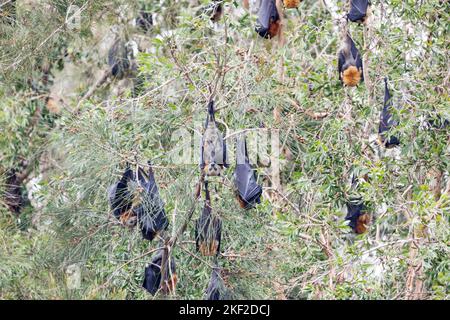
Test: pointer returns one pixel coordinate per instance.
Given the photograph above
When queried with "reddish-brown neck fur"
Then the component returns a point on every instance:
(351, 76)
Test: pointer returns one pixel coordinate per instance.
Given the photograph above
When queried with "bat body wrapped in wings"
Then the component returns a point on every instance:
(153, 275)
(268, 22)
(216, 288)
(248, 190)
(121, 199)
(350, 64)
(358, 10)
(213, 153)
(386, 121)
(357, 216)
(144, 20)
(150, 213)
(208, 229)
(214, 10)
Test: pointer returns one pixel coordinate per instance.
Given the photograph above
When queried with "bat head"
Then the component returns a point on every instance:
(217, 12)
(362, 223)
(274, 28)
(291, 4)
(351, 76)
(128, 219)
(213, 169)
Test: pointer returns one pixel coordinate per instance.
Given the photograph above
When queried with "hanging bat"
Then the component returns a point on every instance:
(438, 123)
(386, 121)
(13, 198)
(120, 198)
(268, 22)
(358, 10)
(213, 151)
(208, 229)
(117, 59)
(358, 217)
(152, 275)
(214, 10)
(144, 21)
(122, 58)
(248, 191)
(216, 288)
(350, 64)
(150, 213)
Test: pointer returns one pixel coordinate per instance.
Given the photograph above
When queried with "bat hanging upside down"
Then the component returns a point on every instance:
(386, 121)
(248, 191)
(208, 229)
(216, 289)
(358, 10)
(213, 148)
(358, 217)
(350, 65)
(143, 206)
(268, 22)
(121, 199)
(150, 213)
(153, 275)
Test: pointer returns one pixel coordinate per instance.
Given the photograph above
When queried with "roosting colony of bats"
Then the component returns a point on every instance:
(135, 200)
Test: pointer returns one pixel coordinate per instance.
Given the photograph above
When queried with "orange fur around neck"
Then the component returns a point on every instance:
(274, 28)
(209, 248)
(362, 223)
(291, 3)
(351, 76)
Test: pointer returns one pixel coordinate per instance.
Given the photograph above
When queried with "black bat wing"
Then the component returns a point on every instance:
(386, 119)
(267, 12)
(246, 184)
(144, 20)
(385, 116)
(358, 10)
(225, 157)
(341, 63)
(202, 150)
(357, 56)
(152, 274)
(151, 224)
(354, 210)
(120, 198)
(217, 228)
(215, 287)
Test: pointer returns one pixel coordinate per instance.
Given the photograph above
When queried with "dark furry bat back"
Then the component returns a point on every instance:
(268, 21)
(248, 190)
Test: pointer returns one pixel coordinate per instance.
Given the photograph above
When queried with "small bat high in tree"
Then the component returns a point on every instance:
(358, 10)
(150, 213)
(386, 121)
(248, 191)
(216, 289)
(350, 63)
(208, 229)
(122, 58)
(358, 217)
(121, 199)
(144, 21)
(214, 10)
(153, 275)
(268, 22)
(13, 198)
(213, 151)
